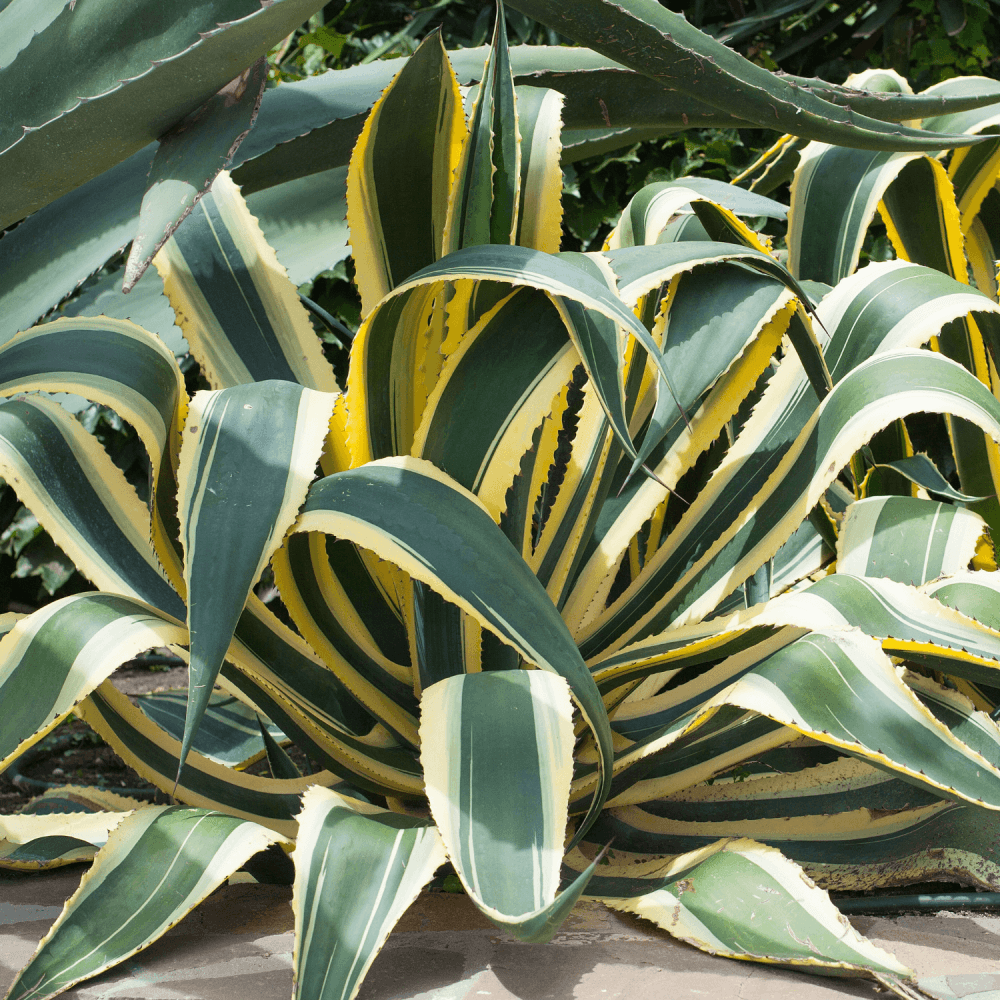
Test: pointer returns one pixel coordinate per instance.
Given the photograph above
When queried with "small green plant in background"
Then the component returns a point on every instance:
(631, 544)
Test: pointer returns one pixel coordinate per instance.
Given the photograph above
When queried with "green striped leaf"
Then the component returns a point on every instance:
(248, 456)
(235, 305)
(919, 469)
(835, 171)
(857, 407)
(338, 604)
(540, 212)
(499, 793)
(909, 540)
(401, 171)
(970, 593)
(159, 864)
(57, 247)
(839, 689)
(408, 512)
(492, 391)
(486, 194)
(41, 841)
(188, 159)
(278, 761)
(744, 900)
(63, 475)
(357, 869)
(155, 755)
(646, 216)
(852, 827)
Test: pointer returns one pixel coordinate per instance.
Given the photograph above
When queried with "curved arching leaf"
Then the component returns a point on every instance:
(238, 310)
(408, 512)
(661, 44)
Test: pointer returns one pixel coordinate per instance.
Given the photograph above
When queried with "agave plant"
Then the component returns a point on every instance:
(563, 573)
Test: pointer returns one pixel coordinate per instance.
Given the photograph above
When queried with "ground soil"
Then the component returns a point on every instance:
(80, 756)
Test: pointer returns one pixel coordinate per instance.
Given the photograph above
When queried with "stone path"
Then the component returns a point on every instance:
(238, 946)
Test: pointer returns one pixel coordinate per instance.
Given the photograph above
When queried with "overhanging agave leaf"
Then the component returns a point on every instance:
(592, 312)
(157, 865)
(188, 159)
(497, 753)
(56, 248)
(661, 44)
(248, 456)
(98, 80)
(357, 869)
(408, 512)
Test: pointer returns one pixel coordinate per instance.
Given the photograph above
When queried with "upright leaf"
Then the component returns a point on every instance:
(486, 195)
(400, 175)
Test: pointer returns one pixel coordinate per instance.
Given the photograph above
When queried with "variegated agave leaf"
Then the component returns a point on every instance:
(765, 666)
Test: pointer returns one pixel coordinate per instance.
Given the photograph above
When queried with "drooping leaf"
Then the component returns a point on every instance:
(188, 159)
(744, 900)
(908, 540)
(499, 794)
(662, 44)
(395, 504)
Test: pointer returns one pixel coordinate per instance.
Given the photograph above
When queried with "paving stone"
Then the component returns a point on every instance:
(238, 945)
